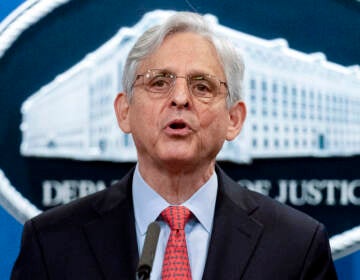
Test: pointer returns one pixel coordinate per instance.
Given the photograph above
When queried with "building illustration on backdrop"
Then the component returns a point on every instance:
(298, 104)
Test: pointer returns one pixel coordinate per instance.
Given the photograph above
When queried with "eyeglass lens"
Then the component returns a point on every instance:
(200, 85)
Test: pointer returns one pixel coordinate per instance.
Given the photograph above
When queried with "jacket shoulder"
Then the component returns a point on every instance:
(266, 210)
(85, 209)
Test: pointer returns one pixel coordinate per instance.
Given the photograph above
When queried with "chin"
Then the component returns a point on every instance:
(179, 161)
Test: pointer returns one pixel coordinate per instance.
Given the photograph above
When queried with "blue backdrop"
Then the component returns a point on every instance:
(343, 48)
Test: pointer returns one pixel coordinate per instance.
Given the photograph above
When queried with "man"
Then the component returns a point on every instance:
(182, 99)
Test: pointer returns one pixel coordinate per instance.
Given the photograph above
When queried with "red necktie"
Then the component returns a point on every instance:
(176, 261)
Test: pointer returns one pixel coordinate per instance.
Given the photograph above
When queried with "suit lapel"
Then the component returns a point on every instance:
(112, 235)
(235, 234)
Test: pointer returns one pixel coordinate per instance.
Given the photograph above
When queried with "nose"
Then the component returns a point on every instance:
(180, 96)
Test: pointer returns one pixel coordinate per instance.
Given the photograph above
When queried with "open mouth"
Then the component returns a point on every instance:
(177, 125)
(178, 128)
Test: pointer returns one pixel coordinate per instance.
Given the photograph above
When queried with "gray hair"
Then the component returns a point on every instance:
(231, 61)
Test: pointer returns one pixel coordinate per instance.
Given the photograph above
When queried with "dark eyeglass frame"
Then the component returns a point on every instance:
(172, 79)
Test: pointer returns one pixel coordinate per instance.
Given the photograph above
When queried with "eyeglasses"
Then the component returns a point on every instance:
(161, 82)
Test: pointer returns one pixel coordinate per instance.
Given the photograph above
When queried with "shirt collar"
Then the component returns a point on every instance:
(148, 204)
(202, 202)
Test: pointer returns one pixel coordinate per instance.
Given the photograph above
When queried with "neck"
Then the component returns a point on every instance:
(176, 185)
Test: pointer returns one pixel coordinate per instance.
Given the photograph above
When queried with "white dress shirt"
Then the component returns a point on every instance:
(148, 205)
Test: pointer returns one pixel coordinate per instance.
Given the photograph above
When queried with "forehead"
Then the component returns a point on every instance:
(185, 53)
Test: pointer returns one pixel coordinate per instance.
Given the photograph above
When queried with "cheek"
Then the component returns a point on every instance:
(147, 123)
(213, 120)
(142, 113)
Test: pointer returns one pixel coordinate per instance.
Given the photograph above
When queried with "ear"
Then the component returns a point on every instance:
(237, 115)
(121, 106)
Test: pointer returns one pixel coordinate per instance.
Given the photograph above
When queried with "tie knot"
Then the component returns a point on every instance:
(176, 216)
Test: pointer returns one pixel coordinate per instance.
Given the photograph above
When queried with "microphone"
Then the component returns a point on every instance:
(148, 252)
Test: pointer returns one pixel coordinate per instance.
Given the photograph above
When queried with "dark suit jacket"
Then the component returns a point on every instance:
(254, 237)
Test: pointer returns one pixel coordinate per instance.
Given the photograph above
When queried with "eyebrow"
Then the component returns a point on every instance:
(191, 73)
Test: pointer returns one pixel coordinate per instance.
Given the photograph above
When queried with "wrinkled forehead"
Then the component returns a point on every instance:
(186, 52)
